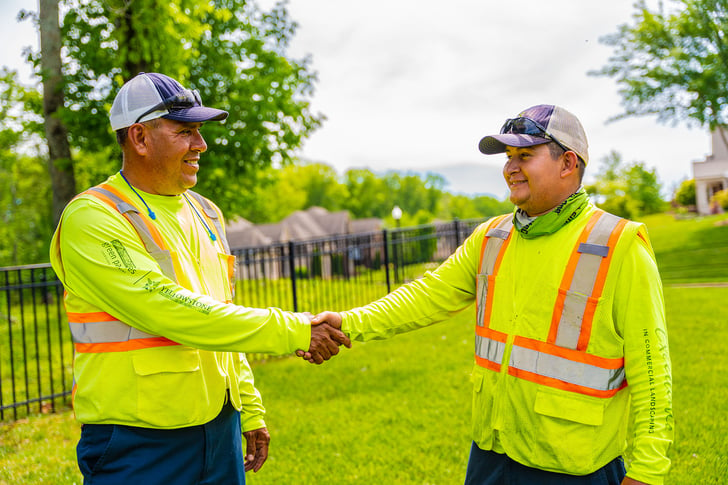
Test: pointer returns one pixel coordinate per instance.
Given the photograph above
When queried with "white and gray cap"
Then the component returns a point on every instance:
(538, 125)
(148, 96)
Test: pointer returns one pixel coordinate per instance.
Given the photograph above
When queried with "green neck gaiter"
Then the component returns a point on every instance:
(554, 220)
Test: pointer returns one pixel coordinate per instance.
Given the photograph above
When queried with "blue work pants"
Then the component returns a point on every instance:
(490, 468)
(207, 454)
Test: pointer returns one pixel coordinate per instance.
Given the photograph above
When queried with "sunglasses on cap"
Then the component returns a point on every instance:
(527, 126)
(184, 99)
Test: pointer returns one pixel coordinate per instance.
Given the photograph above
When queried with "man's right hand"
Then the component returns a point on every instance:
(326, 337)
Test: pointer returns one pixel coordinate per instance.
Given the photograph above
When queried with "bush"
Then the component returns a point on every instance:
(721, 198)
(685, 194)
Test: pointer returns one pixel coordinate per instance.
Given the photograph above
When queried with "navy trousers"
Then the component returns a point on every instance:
(197, 455)
(490, 468)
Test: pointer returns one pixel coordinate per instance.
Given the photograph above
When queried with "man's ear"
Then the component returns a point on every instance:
(569, 164)
(137, 138)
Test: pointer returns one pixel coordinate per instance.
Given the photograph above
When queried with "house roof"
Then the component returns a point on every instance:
(242, 233)
(313, 223)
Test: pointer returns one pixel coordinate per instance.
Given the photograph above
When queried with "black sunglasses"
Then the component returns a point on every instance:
(184, 99)
(527, 126)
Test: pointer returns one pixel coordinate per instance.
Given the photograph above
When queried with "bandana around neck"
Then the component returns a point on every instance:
(554, 220)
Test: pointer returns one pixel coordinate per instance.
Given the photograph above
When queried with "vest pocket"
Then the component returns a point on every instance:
(165, 376)
(569, 406)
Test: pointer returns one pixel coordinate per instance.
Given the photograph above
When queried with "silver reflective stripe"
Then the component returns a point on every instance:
(161, 256)
(489, 349)
(499, 233)
(582, 283)
(566, 370)
(496, 237)
(212, 215)
(115, 330)
(104, 332)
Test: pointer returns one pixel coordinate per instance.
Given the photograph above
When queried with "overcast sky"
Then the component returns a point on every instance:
(414, 84)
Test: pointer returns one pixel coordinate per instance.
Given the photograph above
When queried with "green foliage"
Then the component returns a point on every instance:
(368, 194)
(685, 193)
(629, 191)
(25, 208)
(673, 64)
(364, 194)
(229, 50)
(464, 207)
(720, 198)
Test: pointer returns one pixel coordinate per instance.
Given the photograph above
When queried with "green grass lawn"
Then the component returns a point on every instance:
(398, 411)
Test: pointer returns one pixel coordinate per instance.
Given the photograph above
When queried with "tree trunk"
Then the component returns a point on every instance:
(60, 165)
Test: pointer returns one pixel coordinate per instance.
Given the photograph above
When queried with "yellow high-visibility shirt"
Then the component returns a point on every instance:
(105, 268)
(538, 425)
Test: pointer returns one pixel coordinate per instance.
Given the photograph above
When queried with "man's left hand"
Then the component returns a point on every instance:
(632, 481)
(256, 448)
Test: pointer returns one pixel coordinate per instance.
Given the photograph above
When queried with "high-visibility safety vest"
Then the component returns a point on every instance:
(563, 320)
(551, 389)
(100, 331)
(561, 361)
(123, 375)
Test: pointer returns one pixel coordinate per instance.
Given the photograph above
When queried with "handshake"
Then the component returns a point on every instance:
(326, 337)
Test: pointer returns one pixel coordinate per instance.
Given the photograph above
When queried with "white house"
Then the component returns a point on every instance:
(711, 175)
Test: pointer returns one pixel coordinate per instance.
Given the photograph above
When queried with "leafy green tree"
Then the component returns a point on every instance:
(685, 193)
(25, 215)
(229, 50)
(413, 193)
(458, 206)
(489, 206)
(627, 190)
(296, 187)
(368, 194)
(673, 64)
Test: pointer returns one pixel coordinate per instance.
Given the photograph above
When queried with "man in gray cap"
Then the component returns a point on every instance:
(160, 381)
(570, 338)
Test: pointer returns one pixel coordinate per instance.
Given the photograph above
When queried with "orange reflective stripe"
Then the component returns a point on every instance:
(586, 324)
(136, 344)
(482, 335)
(491, 334)
(90, 317)
(568, 276)
(494, 366)
(569, 354)
(567, 386)
(156, 235)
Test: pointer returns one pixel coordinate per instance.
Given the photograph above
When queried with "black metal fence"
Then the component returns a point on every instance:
(337, 273)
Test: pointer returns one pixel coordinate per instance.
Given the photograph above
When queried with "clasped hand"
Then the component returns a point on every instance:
(326, 337)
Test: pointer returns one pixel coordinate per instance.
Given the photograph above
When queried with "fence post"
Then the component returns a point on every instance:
(386, 259)
(456, 221)
(292, 265)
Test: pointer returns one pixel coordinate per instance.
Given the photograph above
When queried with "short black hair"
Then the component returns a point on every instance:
(557, 151)
(123, 133)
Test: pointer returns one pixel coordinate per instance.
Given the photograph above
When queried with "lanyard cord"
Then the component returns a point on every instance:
(152, 215)
(213, 238)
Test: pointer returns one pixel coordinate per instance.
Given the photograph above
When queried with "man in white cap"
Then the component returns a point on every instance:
(161, 385)
(570, 337)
